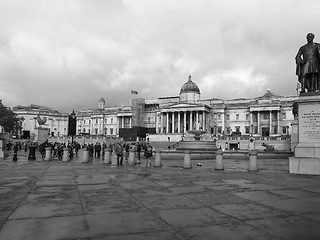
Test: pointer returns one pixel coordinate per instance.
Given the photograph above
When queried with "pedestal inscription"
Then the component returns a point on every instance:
(309, 123)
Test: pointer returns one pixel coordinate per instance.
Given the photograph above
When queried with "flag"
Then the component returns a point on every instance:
(134, 92)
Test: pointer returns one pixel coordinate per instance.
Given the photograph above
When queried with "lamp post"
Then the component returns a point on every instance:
(72, 125)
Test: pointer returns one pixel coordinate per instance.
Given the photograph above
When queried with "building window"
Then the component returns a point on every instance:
(275, 130)
(247, 129)
(219, 117)
(111, 131)
(237, 116)
(149, 120)
(284, 115)
(84, 122)
(228, 130)
(106, 120)
(89, 122)
(97, 120)
(265, 116)
(111, 120)
(237, 129)
(228, 117)
(247, 117)
(105, 131)
(284, 130)
(219, 129)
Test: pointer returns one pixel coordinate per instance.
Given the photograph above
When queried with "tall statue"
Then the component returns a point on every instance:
(308, 65)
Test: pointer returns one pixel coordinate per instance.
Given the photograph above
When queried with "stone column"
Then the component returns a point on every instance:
(161, 122)
(278, 122)
(197, 120)
(185, 122)
(190, 122)
(270, 123)
(258, 122)
(157, 123)
(172, 119)
(204, 120)
(122, 122)
(167, 128)
(130, 122)
(118, 125)
(179, 120)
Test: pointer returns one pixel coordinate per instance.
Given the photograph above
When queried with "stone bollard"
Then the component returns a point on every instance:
(48, 154)
(15, 156)
(219, 160)
(113, 159)
(157, 158)
(131, 160)
(107, 156)
(32, 153)
(85, 156)
(253, 161)
(251, 143)
(66, 157)
(187, 160)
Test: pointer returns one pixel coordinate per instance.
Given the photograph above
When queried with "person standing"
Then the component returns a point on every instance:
(119, 152)
(148, 154)
(138, 151)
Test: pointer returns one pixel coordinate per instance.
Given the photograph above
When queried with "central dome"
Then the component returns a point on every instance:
(190, 87)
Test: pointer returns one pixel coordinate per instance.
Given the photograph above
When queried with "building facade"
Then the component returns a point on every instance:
(56, 122)
(269, 115)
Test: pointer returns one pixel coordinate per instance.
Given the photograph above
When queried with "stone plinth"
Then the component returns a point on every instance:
(306, 158)
(41, 134)
(3, 151)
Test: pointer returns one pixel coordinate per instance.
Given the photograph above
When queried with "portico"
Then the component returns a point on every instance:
(182, 118)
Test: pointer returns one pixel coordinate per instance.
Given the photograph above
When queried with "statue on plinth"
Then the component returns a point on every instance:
(308, 65)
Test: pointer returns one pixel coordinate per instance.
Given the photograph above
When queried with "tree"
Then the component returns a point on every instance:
(8, 119)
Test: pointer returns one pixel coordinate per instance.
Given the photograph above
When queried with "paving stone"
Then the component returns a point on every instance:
(292, 227)
(193, 217)
(125, 223)
(54, 228)
(230, 231)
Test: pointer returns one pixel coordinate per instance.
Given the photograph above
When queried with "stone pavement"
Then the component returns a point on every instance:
(74, 200)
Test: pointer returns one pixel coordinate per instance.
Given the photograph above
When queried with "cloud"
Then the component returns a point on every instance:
(68, 54)
(238, 83)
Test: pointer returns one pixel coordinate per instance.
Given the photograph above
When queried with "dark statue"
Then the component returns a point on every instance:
(308, 65)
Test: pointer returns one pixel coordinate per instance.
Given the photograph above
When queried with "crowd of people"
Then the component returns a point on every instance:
(96, 150)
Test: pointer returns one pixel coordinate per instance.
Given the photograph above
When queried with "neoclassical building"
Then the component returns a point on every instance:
(56, 122)
(269, 115)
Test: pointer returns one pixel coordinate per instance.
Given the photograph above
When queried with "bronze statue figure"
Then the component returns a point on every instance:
(308, 65)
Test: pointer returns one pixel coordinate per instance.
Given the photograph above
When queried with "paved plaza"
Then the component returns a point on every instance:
(74, 200)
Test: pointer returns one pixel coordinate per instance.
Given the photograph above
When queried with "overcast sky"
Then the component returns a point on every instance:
(67, 54)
